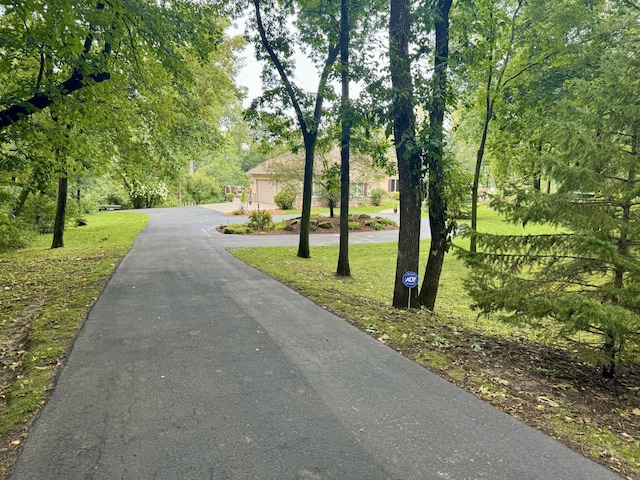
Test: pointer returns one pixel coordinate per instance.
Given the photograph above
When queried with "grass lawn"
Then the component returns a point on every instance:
(45, 296)
(515, 368)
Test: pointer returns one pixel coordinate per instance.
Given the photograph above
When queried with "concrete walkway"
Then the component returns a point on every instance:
(193, 365)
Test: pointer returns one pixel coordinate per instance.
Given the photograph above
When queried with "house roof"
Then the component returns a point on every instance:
(287, 159)
(288, 163)
(294, 160)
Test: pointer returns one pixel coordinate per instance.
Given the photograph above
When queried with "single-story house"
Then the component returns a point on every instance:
(287, 171)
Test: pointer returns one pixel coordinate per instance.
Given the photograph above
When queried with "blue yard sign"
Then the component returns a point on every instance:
(410, 280)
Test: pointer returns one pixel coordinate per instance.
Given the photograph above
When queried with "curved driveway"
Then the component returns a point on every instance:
(192, 365)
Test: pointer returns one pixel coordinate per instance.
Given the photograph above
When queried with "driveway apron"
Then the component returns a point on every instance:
(192, 365)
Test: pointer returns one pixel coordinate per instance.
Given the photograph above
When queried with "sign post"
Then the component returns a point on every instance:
(410, 280)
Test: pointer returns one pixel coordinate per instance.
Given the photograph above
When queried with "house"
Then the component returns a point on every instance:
(287, 171)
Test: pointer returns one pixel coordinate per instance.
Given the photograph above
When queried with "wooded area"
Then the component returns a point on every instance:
(533, 105)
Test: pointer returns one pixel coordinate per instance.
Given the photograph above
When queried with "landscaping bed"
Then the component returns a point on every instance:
(317, 224)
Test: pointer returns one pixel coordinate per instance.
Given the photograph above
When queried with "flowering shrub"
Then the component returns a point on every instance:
(148, 195)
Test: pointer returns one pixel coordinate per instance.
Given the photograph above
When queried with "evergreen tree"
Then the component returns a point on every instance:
(585, 279)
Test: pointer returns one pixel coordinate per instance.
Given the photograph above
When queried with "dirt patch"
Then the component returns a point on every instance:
(543, 386)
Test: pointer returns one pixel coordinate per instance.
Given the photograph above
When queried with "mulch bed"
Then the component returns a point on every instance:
(318, 224)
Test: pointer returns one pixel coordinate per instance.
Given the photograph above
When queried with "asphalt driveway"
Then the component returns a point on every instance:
(192, 365)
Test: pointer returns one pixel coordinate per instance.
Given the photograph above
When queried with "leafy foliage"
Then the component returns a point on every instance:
(260, 220)
(377, 194)
(586, 280)
(285, 198)
(203, 188)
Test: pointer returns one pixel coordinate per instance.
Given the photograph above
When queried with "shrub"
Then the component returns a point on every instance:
(387, 221)
(354, 226)
(260, 220)
(230, 197)
(203, 188)
(285, 198)
(377, 194)
(236, 228)
(114, 199)
(13, 234)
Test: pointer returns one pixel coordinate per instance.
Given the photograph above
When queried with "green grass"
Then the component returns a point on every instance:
(375, 279)
(45, 296)
(598, 442)
(489, 221)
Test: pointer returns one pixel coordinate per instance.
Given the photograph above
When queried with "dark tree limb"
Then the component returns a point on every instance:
(75, 82)
(40, 101)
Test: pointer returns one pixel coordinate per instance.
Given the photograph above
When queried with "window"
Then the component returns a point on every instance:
(357, 189)
(394, 185)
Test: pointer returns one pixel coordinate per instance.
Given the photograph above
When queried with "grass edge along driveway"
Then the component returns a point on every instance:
(45, 296)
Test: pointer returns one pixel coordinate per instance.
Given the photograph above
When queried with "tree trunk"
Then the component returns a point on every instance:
(61, 210)
(434, 159)
(409, 165)
(307, 189)
(343, 268)
(537, 182)
(309, 129)
(479, 159)
(609, 347)
(22, 198)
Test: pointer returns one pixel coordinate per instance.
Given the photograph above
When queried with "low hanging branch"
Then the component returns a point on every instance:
(40, 101)
(75, 82)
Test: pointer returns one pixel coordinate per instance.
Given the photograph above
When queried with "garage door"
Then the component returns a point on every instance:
(265, 191)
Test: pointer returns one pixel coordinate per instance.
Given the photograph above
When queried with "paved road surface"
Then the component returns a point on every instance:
(193, 365)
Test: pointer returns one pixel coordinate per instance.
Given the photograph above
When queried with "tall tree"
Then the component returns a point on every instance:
(494, 64)
(343, 268)
(434, 157)
(407, 152)
(273, 39)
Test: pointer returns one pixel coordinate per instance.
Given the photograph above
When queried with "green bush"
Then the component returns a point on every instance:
(285, 198)
(260, 220)
(236, 228)
(377, 194)
(114, 199)
(203, 188)
(230, 197)
(13, 234)
(387, 221)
